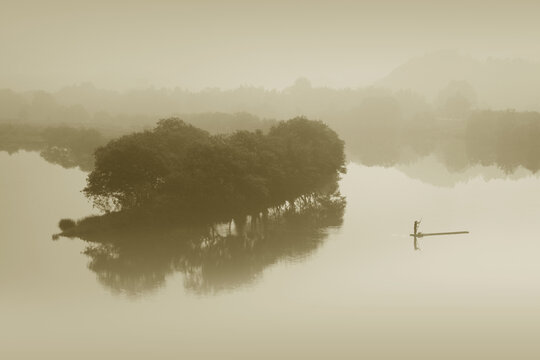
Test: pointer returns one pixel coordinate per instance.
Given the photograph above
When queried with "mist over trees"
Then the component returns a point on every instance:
(380, 130)
(446, 93)
(353, 113)
(508, 139)
(424, 83)
(64, 145)
(43, 109)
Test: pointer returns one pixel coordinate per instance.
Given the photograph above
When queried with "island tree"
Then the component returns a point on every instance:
(183, 170)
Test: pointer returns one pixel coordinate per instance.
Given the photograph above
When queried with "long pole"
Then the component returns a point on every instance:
(441, 233)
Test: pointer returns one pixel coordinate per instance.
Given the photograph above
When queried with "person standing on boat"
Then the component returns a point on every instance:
(416, 224)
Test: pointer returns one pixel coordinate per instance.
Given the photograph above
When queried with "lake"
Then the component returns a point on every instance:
(361, 291)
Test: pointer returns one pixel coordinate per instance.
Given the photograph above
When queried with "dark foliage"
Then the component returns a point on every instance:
(66, 224)
(180, 169)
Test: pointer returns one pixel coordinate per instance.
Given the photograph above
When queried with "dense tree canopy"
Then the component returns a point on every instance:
(179, 167)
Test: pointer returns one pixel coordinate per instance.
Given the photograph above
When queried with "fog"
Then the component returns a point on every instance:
(242, 179)
(198, 44)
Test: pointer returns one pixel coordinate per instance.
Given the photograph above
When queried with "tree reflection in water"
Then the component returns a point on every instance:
(137, 258)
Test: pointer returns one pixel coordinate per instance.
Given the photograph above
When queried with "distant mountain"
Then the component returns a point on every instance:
(499, 83)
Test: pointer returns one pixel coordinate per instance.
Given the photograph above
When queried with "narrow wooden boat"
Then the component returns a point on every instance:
(440, 233)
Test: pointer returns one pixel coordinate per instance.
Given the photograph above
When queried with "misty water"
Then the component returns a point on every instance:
(360, 288)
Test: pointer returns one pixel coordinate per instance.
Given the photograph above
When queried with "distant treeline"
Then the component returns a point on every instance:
(365, 118)
(509, 139)
(139, 108)
(85, 103)
(72, 143)
(379, 136)
(506, 139)
(44, 109)
(379, 127)
(63, 145)
(187, 171)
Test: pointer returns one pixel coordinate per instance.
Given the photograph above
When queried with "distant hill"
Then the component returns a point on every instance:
(499, 83)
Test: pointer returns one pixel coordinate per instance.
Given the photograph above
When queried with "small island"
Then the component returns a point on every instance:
(218, 208)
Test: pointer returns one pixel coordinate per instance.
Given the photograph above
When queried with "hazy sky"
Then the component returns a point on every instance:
(197, 43)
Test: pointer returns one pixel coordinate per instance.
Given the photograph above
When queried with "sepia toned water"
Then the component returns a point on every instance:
(364, 292)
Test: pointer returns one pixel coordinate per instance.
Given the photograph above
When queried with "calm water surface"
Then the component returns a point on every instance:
(364, 292)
